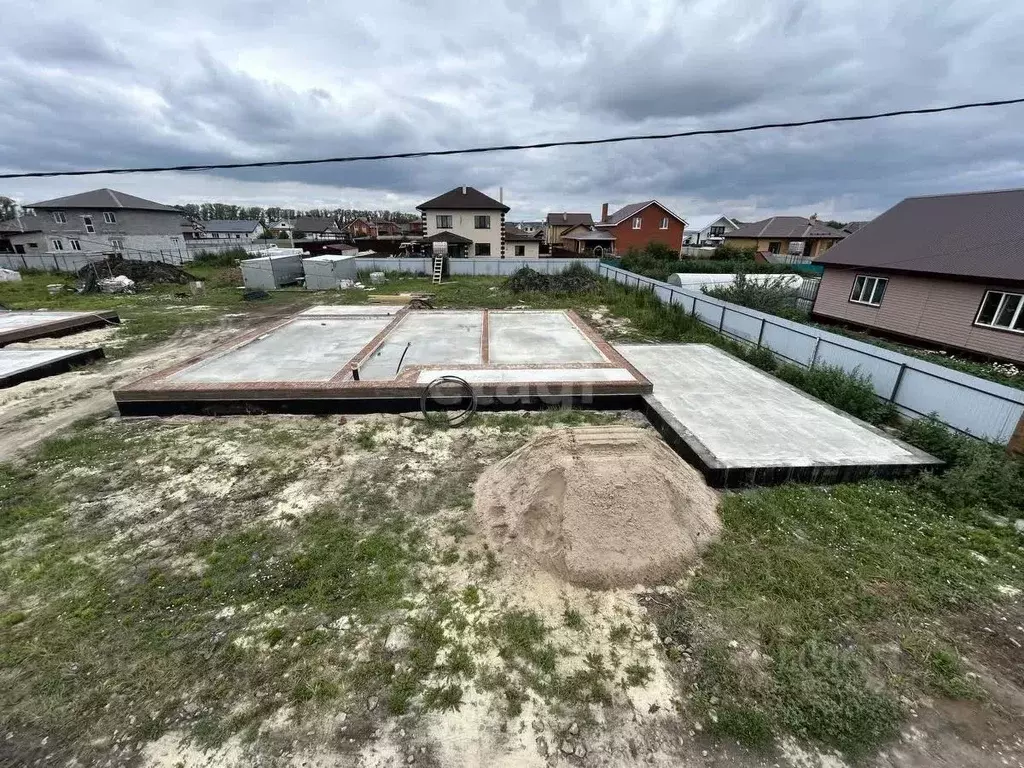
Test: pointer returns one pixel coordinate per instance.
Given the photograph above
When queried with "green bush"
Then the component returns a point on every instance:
(229, 258)
(850, 392)
(774, 296)
(574, 280)
(727, 252)
(978, 473)
(653, 264)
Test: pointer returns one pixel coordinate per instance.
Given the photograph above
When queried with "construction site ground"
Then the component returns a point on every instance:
(299, 590)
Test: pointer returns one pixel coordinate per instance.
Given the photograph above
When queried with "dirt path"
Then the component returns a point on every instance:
(36, 410)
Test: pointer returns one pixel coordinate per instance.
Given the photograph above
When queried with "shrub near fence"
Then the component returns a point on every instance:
(917, 388)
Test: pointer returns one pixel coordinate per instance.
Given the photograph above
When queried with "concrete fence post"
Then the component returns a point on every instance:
(721, 320)
(760, 333)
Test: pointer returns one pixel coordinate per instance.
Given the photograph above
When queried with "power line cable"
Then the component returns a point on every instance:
(520, 147)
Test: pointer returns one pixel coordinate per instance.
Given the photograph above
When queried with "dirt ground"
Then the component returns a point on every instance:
(300, 591)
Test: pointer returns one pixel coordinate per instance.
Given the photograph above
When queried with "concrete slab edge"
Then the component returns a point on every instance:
(75, 359)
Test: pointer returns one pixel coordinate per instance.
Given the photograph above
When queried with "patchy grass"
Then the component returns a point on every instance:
(806, 617)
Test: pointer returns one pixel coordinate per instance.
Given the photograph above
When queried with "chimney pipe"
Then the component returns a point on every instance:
(565, 217)
(501, 195)
(604, 212)
(463, 189)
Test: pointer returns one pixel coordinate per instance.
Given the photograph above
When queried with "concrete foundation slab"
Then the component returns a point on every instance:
(742, 426)
(382, 358)
(538, 338)
(349, 310)
(20, 365)
(306, 349)
(427, 338)
(18, 325)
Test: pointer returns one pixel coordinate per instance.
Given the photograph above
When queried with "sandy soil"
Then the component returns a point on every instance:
(36, 410)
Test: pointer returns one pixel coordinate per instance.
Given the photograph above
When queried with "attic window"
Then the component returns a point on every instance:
(664, 223)
(638, 222)
(109, 218)
(59, 217)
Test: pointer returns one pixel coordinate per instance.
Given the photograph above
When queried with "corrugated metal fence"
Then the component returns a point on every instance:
(918, 388)
(482, 267)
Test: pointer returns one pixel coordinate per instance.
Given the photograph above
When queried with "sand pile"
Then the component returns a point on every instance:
(598, 506)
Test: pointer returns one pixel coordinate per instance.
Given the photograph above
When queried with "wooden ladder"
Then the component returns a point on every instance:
(438, 269)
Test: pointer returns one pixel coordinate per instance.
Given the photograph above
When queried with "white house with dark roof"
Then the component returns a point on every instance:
(472, 223)
(99, 221)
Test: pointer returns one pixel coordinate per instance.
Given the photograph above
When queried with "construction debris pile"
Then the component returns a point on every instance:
(600, 507)
(574, 280)
(139, 272)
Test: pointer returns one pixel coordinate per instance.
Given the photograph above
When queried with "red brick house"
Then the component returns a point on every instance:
(361, 228)
(388, 229)
(639, 224)
(947, 270)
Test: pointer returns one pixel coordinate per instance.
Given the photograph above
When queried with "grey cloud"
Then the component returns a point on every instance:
(132, 86)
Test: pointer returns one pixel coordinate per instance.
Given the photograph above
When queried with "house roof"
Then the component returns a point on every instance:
(463, 199)
(583, 232)
(314, 224)
(104, 198)
(22, 225)
(973, 234)
(229, 225)
(788, 227)
(514, 233)
(628, 211)
(446, 237)
(570, 219)
(853, 226)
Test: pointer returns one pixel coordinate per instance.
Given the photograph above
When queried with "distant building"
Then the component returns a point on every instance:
(472, 223)
(558, 223)
(98, 221)
(795, 235)
(228, 229)
(637, 225)
(314, 228)
(713, 233)
(520, 244)
(360, 228)
(387, 229)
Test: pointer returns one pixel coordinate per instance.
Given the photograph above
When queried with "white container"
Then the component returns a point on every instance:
(324, 273)
(269, 272)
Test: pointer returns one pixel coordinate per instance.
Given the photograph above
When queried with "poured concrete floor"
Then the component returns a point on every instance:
(369, 354)
(18, 365)
(739, 418)
(302, 350)
(17, 325)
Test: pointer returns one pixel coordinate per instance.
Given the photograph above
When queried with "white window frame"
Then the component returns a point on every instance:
(864, 287)
(59, 217)
(109, 217)
(442, 217)
(1017, 314)
(481, 221)
(89, 226)
(664, 223)
(57, 244)
(76, 245)
(638, 222)
(117, 244)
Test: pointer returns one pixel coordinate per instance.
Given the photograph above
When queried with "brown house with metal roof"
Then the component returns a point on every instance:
(637, 225)
(557, 224)
(947, 270)
(807, 237)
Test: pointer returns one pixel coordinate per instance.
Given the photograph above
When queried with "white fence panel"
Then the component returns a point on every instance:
(743, 326)
(967, 403)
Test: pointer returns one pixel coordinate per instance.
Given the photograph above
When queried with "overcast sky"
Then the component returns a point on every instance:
(100, 83)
